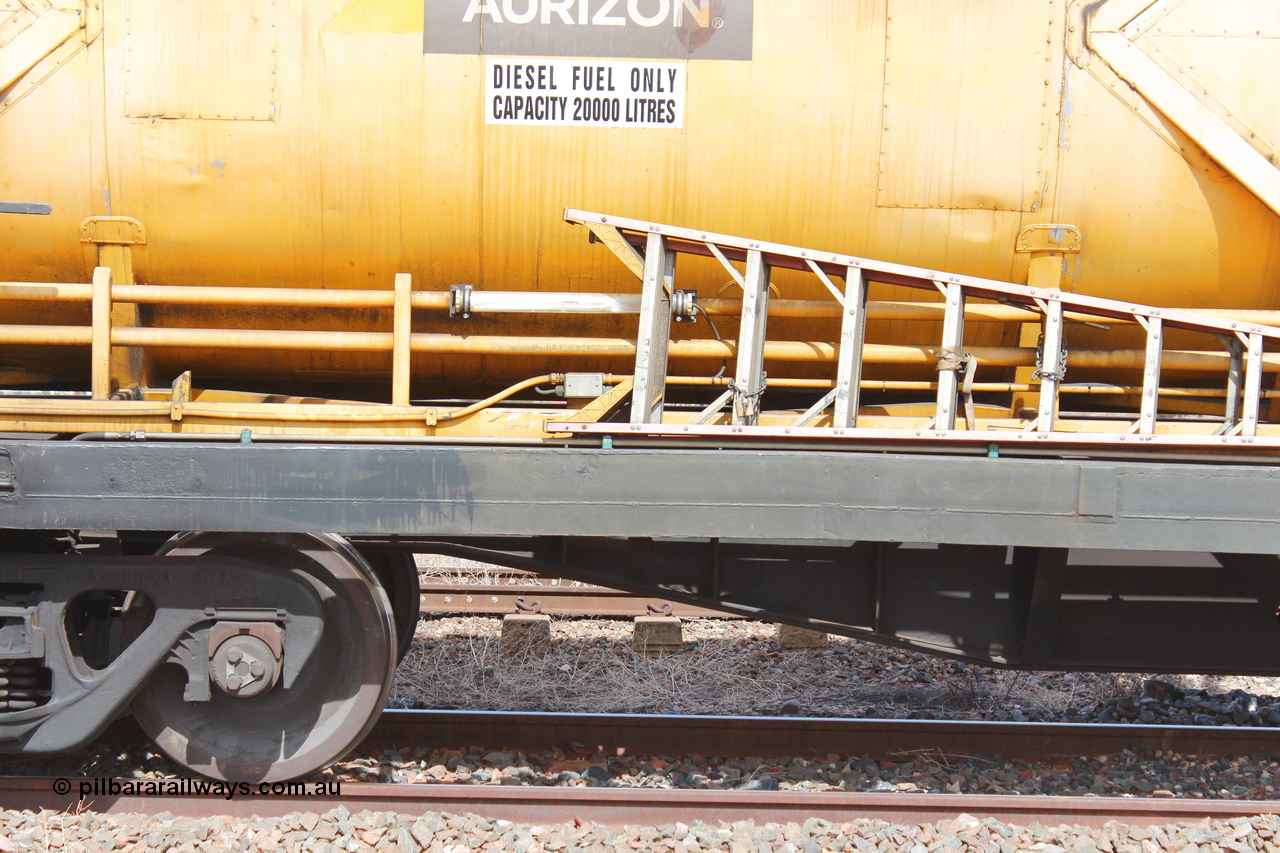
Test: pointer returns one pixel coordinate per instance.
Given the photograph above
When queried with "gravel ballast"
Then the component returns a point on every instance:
(1126, 774)
(387, 832)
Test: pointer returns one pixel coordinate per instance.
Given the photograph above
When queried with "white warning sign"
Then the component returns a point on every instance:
(585, 93)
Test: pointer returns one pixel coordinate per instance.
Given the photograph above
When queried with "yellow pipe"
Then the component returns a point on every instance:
(439, 301)
(722, 381)
(254, 296)
(285, 412)
(916, 385)
(24, 291)
(501, 395)
(32, 335)
(250, 339)
(368, 413)
(1127, 359)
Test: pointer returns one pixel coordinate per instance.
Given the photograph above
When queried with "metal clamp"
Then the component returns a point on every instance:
(684, 306)
(460, 300)
(523, 606)
(663, 609)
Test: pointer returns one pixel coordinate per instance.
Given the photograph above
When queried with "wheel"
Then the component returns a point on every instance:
(398, 574)
(280, 733)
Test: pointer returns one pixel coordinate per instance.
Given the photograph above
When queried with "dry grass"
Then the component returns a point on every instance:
(467, 671)
(733, 667)
(730, 667)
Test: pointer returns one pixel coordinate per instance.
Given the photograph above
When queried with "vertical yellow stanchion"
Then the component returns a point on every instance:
(100, 365)
(112, 241)
(1048, 251)
(400, 331)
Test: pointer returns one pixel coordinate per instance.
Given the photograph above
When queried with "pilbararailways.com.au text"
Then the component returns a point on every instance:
(102, 787)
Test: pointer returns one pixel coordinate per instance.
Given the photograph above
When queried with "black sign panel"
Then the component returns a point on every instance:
(624, 29)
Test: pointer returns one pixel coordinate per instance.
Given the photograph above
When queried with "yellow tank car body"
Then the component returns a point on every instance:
(1123, 149)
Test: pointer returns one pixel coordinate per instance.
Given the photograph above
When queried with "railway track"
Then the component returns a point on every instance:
(647, 807)
(586, 734)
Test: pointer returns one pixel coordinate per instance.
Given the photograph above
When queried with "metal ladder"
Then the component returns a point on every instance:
(649, 249)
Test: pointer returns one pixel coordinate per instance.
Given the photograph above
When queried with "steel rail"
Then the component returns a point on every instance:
(779, 737)
(637, 806)
(775, 737)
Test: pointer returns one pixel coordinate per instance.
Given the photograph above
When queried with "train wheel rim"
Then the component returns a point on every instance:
(339, 692)
(398, 574)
